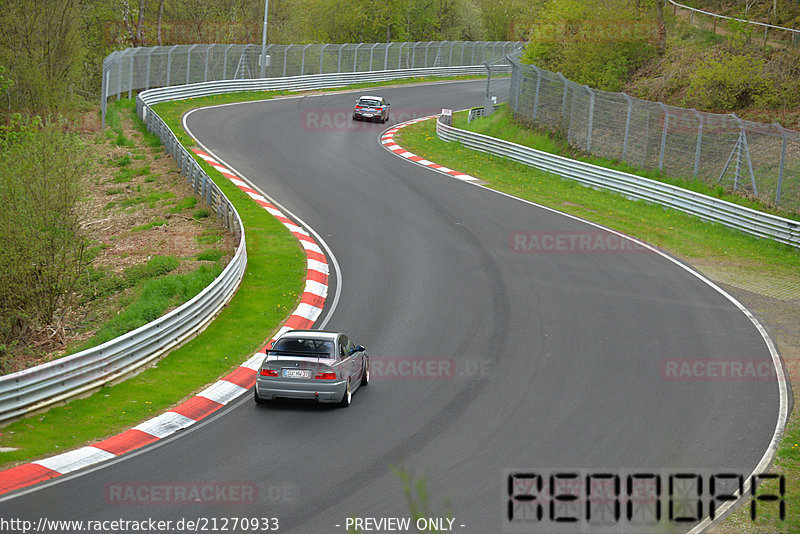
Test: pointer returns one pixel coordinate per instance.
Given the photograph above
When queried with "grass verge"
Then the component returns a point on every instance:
(269, 290)
(501, 124)
(674, 231)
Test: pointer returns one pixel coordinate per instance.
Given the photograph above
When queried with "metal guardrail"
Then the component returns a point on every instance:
(296, 83)
(708, 208)
(794, 32)
(39, 387)
(143, 68)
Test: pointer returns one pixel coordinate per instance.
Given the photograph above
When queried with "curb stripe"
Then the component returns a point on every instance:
(211, 399)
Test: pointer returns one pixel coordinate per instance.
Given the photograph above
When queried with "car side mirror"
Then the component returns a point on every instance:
(360, 348)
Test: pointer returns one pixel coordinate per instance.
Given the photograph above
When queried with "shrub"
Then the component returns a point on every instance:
(729, 83)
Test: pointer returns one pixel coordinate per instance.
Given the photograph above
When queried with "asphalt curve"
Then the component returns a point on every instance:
(533, 361)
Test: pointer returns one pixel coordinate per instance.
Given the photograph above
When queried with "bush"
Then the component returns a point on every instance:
(729, 83)
(42, 244)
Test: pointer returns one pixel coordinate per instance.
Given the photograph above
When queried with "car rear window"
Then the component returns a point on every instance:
(368, 103)
(313, 348)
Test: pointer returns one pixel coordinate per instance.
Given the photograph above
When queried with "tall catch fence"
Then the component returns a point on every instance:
(141, 68)
(755, 159)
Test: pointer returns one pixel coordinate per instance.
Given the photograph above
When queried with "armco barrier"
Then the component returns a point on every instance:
(708, 208)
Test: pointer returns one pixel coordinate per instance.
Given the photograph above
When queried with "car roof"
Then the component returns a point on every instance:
(311, 334)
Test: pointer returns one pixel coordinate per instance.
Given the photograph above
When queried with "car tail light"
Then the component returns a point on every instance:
(269, 372)
(358, 107)
(326, 376)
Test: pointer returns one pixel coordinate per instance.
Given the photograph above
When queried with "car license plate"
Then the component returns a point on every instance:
(296, 373)
(368, 114)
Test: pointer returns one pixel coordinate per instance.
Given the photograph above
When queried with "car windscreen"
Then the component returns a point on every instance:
(370, 103)
(312, 348)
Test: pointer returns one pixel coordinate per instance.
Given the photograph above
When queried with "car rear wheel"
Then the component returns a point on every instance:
(365, 373)
(258, 399)
(348, 395)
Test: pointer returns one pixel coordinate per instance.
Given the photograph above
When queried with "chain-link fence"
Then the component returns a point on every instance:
(133, 69)
(759, 160)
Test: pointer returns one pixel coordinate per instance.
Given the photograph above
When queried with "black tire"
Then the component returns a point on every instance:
(258, 399)
(365, 373)
(354, 118)
(347, 397)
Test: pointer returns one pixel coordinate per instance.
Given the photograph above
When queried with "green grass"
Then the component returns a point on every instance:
(148, 226)
(202, 213)
(209, 237)
(211, 254)
(269, 290)
(185, 204)
(126, 174)
(150, 199)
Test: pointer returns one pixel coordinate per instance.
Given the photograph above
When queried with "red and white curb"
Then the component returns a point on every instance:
(388, 142)
(210, 399)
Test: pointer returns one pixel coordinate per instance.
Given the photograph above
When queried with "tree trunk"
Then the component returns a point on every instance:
(661, 42)
(160, 17)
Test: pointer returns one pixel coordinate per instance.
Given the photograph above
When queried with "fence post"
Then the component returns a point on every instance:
(286, 59)
(463, 46)
(225, 63)
(781, 166)
(591, 119)
(663, 136)
(536, 95)
(563, 98)
(119, 75)
(400, 55)
(355, 57)
(104, 97)
(205, 67)
(414, 54)
(371, 52)
(386, 56)
(147, 76)
(189, 61)
(321, 55)
(426, 52)
(627, 126)
(700, 118)
(450, 59)
(303, 60)
(339, 64)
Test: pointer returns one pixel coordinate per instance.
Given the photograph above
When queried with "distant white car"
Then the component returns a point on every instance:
(312, 365)
(373, 108)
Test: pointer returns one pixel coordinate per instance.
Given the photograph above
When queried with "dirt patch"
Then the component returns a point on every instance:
(135, 206)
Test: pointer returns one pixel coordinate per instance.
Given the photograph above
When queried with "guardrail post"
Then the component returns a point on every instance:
(700, 118)
(627, 126)
(591, 119)
(663, 136)
(781, 166)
